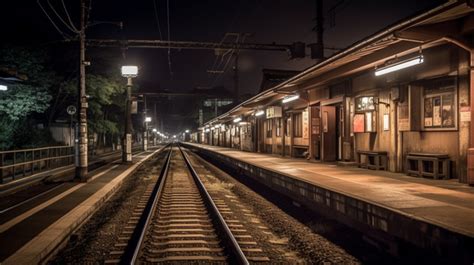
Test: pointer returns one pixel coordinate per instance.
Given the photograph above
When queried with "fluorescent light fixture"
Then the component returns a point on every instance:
(259, 113)
(290, 98)
(129, 71)
(154, 130)
(399, 65)
(187, 131)
(243, 123)
(174, 136)
(148, 119)
(237, 119)
(3, 88)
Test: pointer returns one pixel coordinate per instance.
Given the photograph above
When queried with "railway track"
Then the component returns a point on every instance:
(176, 221)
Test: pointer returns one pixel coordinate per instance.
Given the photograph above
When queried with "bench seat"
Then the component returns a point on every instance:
(373, 159)
(428, 165)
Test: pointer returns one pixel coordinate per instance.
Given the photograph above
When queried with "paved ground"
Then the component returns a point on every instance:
(27, 231)
(445, 203)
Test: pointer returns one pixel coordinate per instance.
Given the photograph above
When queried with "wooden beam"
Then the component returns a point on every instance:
(430, 32)
(363, 63)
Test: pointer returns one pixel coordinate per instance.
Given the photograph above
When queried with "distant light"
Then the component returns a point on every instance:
(154, 130)
(207, 130)
(148, 119)
(243, 123)
(399, 65)
(174, 136)
(129, 71)
(187, 131)
(237, 119)
(290, 98)
(259, 113)
(3, 88)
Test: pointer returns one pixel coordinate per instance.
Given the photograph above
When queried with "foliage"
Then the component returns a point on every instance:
(31, 95)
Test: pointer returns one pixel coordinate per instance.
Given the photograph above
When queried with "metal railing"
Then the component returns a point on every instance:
(24, 162)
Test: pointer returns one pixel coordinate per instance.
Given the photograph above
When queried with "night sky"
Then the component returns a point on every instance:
(280, 21)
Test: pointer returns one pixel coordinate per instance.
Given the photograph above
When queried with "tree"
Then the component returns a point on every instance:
(31, 95)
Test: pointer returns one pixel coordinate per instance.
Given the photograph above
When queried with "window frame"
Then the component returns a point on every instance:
(440, 94)
(298, 123)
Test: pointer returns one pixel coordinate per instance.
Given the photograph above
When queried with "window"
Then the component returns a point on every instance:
(298, 125)
(278, 126)
(268, 128)
(439, 106)
(365, 119)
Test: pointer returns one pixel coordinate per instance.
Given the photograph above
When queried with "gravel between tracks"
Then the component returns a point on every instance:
(92, 243)
(312, 247)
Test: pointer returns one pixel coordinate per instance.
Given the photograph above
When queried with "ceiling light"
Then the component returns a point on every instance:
(259, 113)
(290, 98)
(237, 119)
(399, 65)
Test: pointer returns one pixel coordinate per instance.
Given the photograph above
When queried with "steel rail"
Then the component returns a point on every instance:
(232, 245)
(136, 241)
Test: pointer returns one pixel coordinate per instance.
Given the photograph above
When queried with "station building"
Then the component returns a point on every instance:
(402, 91)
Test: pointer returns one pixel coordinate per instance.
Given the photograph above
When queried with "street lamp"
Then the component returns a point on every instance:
(128, 71)
(145, 134)
(3, 88)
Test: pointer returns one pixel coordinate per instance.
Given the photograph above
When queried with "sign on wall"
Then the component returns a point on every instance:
(305, 124)
(273, 112)
(359, 123)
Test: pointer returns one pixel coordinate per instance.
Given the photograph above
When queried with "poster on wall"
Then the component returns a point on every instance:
(305, 124)
(428, 120)
(403, 118)
(358, 123)
(368, 122)
(386, 122)
(436, 111)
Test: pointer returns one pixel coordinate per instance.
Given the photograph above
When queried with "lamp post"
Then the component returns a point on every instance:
(129, 72)
(145, 134)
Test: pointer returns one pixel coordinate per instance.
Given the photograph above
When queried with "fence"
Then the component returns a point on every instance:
(20, 163)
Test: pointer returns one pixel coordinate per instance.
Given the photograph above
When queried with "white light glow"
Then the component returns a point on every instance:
(3, 88)
(207, 130)
(148, 119)
(259, 113)
(290, 98)
(400, 65)
(237, 119)
(129, 71)
(154, 130)
(187, 131)
(174, 136)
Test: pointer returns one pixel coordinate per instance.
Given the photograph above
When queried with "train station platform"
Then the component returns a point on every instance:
(31, 231)
(430, 214)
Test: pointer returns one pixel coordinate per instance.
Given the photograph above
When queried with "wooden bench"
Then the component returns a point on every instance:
(373, 159)
(429, 165)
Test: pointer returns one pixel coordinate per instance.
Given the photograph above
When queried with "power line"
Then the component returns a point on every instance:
(68, 17)
(157, 19)
(70, 27)
(169, 47)
(65, 36)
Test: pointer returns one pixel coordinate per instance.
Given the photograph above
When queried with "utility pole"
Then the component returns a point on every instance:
(81, 146)
(317, 49)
